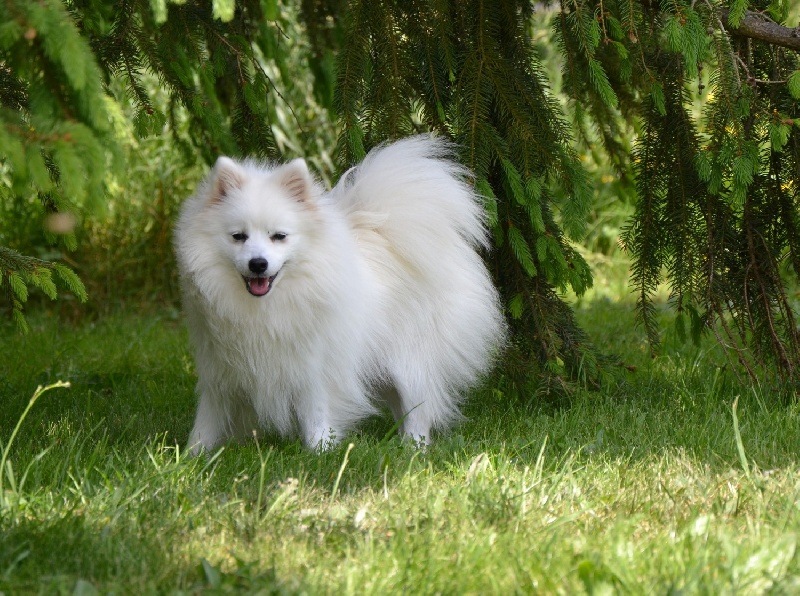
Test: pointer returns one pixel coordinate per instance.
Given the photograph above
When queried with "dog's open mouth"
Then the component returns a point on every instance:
(259, 286)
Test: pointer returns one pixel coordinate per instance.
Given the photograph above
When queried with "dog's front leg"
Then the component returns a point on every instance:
(312, 407)
(318, 435)
(209, 425)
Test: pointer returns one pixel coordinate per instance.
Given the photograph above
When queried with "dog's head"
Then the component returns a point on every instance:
(258, 218)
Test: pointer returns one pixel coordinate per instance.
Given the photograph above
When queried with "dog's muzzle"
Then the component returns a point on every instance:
(258, 284)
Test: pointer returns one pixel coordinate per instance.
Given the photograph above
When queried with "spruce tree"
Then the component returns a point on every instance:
(717, 208)
(717, 211)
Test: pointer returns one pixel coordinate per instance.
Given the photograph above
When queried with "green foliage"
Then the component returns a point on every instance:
(738, 8)
(56, 144)
(717, 208)
(794, 84)
(717, 211)
(18, 272)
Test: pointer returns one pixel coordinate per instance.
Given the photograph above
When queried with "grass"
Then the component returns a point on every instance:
(676, 479)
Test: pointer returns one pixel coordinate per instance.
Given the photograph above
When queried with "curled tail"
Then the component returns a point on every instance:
(417, 183)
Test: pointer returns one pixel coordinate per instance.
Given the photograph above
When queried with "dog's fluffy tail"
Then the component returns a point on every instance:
(424, 192)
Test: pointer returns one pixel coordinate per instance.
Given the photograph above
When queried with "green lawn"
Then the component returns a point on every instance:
(646, 487)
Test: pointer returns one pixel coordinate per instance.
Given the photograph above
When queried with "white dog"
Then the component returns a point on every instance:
(306, 308)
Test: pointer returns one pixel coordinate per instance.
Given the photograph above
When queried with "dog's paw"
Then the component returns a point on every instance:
(419, 441)
(320, 438)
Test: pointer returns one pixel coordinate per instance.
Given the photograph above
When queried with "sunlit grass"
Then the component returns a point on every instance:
(645, 487)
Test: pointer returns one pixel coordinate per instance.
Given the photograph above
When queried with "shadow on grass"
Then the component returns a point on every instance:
(87, 553)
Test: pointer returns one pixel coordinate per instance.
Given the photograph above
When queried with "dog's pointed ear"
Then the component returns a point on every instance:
(226, 176)
(296, 179)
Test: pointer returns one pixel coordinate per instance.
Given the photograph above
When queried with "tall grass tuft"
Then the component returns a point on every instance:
(6, 469)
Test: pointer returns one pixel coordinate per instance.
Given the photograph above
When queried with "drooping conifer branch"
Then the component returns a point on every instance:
(718, 194)
(760, 27)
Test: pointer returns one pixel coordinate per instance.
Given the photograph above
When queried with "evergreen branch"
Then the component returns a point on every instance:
(757, 26)
(764, 277)
(349, 91)
(478, 113)
(643, 237)
(731, 346)
(18, 271)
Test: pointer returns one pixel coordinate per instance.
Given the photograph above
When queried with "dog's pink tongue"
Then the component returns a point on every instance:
(258, 285)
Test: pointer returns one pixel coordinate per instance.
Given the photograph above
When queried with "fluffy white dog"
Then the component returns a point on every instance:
(306, 308)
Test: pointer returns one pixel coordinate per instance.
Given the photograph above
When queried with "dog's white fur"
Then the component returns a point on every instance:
(378, 294)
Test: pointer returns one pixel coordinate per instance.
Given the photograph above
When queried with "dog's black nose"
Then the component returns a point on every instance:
(258, 265)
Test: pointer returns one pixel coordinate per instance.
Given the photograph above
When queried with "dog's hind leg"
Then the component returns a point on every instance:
(318, 435)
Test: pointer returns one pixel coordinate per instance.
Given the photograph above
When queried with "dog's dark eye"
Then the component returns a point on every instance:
(239, 236)
(278, 236)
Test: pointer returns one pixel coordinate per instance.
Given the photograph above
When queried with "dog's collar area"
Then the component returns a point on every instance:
(259, 285)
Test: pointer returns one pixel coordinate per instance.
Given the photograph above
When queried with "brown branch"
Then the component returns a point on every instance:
(755, 26)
